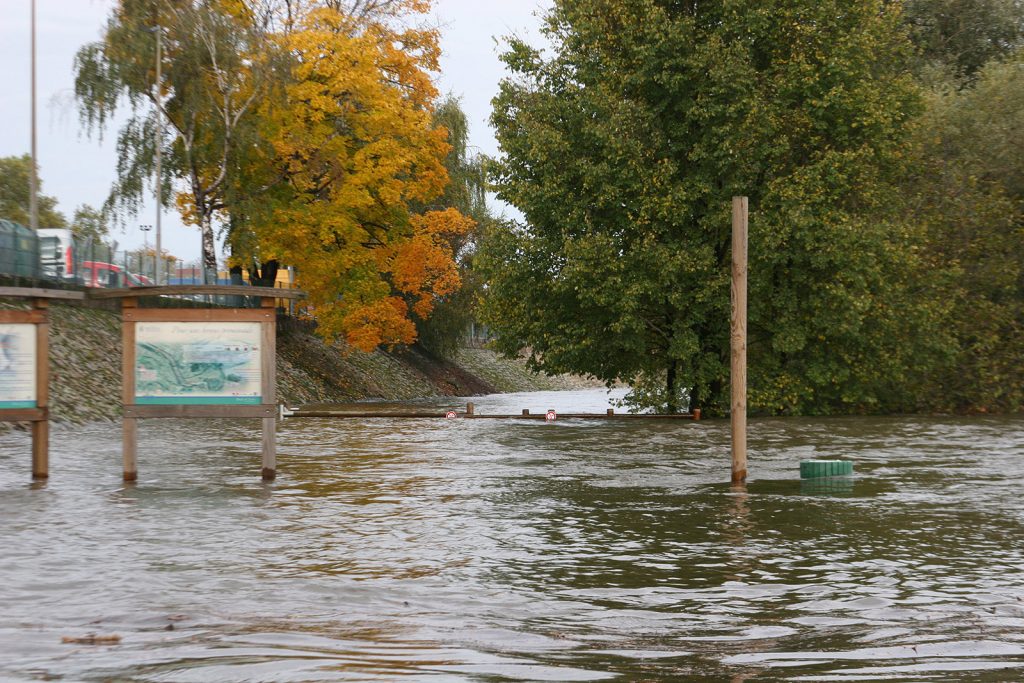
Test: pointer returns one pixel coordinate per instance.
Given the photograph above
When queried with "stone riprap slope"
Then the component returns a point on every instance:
(85, 374)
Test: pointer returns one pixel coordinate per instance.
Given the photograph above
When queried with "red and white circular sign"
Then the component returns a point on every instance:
(551, 416)
(451, 415)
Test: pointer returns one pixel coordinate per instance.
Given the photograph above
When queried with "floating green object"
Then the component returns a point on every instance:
(812, 469)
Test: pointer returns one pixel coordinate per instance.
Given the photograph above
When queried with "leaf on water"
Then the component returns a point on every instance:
(92, 639)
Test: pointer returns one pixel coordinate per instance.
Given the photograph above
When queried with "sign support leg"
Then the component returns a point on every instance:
(269, 388)
(129, 446)
(41, 427)
(269, 448)
(130, 429)
(41, 449)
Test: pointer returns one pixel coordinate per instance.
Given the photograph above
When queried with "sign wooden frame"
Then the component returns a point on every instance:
(40, 415)
(267, 410)
(38, 315)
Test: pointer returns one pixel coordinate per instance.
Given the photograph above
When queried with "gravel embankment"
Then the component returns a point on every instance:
(85, 369)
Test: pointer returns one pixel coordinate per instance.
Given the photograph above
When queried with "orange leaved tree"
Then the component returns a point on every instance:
(351, 148)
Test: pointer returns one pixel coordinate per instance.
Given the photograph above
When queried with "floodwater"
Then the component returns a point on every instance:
(494, 550)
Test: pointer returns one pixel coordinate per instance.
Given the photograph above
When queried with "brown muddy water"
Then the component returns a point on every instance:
(492, 550)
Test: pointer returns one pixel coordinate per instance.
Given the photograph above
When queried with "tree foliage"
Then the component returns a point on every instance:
(961, 36)
(89, 223)
(443, 332)
(622, 150)
(14, 195)
(969, 195)
(305, 129)
(351, 168)
(214, 67)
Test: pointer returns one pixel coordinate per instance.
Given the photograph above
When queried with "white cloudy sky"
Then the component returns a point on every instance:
(78, 170)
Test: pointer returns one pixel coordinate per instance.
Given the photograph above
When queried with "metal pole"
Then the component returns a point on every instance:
(738, 340)
(145, 247)
(33, 189)
(159, 141)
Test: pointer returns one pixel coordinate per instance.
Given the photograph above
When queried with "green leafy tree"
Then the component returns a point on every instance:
(622, 150)
(443, 332)
(89, 223)
(961, 36)
(14, 195)
(969, 194)
(215, 60)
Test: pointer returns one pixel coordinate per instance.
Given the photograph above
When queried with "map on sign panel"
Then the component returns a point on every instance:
(17, 366)
(197, 363)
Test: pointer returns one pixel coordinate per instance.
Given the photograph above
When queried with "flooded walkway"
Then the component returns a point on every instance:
(490, 550)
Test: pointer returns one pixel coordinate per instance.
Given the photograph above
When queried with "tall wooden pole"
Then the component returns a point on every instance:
(738, 340)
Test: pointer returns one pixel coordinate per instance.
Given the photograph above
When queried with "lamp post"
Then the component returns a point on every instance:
(145, 247)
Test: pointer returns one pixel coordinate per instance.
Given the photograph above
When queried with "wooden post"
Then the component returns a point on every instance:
(526, 411)
(610, 411)
(738, 340)
(129, 428)
(269, 390)
(41, 427)
(470, 408)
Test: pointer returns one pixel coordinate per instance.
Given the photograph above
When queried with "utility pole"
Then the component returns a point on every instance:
(33, 182)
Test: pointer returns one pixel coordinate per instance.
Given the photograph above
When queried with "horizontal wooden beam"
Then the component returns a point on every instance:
(478, 416)
(203, 315)
(189, 290)
(40, 293)
(24, 415)
(148, 411)
(9, 315)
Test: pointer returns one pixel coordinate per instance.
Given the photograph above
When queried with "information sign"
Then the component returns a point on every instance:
(197, 363)
(17, 365)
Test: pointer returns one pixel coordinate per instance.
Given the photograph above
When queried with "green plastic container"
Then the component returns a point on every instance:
(813, 469)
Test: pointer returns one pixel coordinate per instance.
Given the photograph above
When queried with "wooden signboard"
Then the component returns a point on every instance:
(25, 367)
(188, 362)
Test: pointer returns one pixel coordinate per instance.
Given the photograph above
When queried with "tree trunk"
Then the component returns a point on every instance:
(264, 275)
(209, 251)
(695, 398)
(672, 404)
(717, 389)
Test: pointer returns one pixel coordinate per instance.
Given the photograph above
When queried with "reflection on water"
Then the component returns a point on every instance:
(511, 550)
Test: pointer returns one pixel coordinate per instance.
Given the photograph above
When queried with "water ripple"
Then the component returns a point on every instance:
(510, 550)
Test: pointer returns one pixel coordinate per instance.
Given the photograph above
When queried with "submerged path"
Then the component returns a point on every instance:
(483, 550)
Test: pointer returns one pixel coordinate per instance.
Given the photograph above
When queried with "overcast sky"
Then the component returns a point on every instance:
(79, 170)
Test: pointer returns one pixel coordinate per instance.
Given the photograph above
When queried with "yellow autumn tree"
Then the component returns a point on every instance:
(350, 149)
